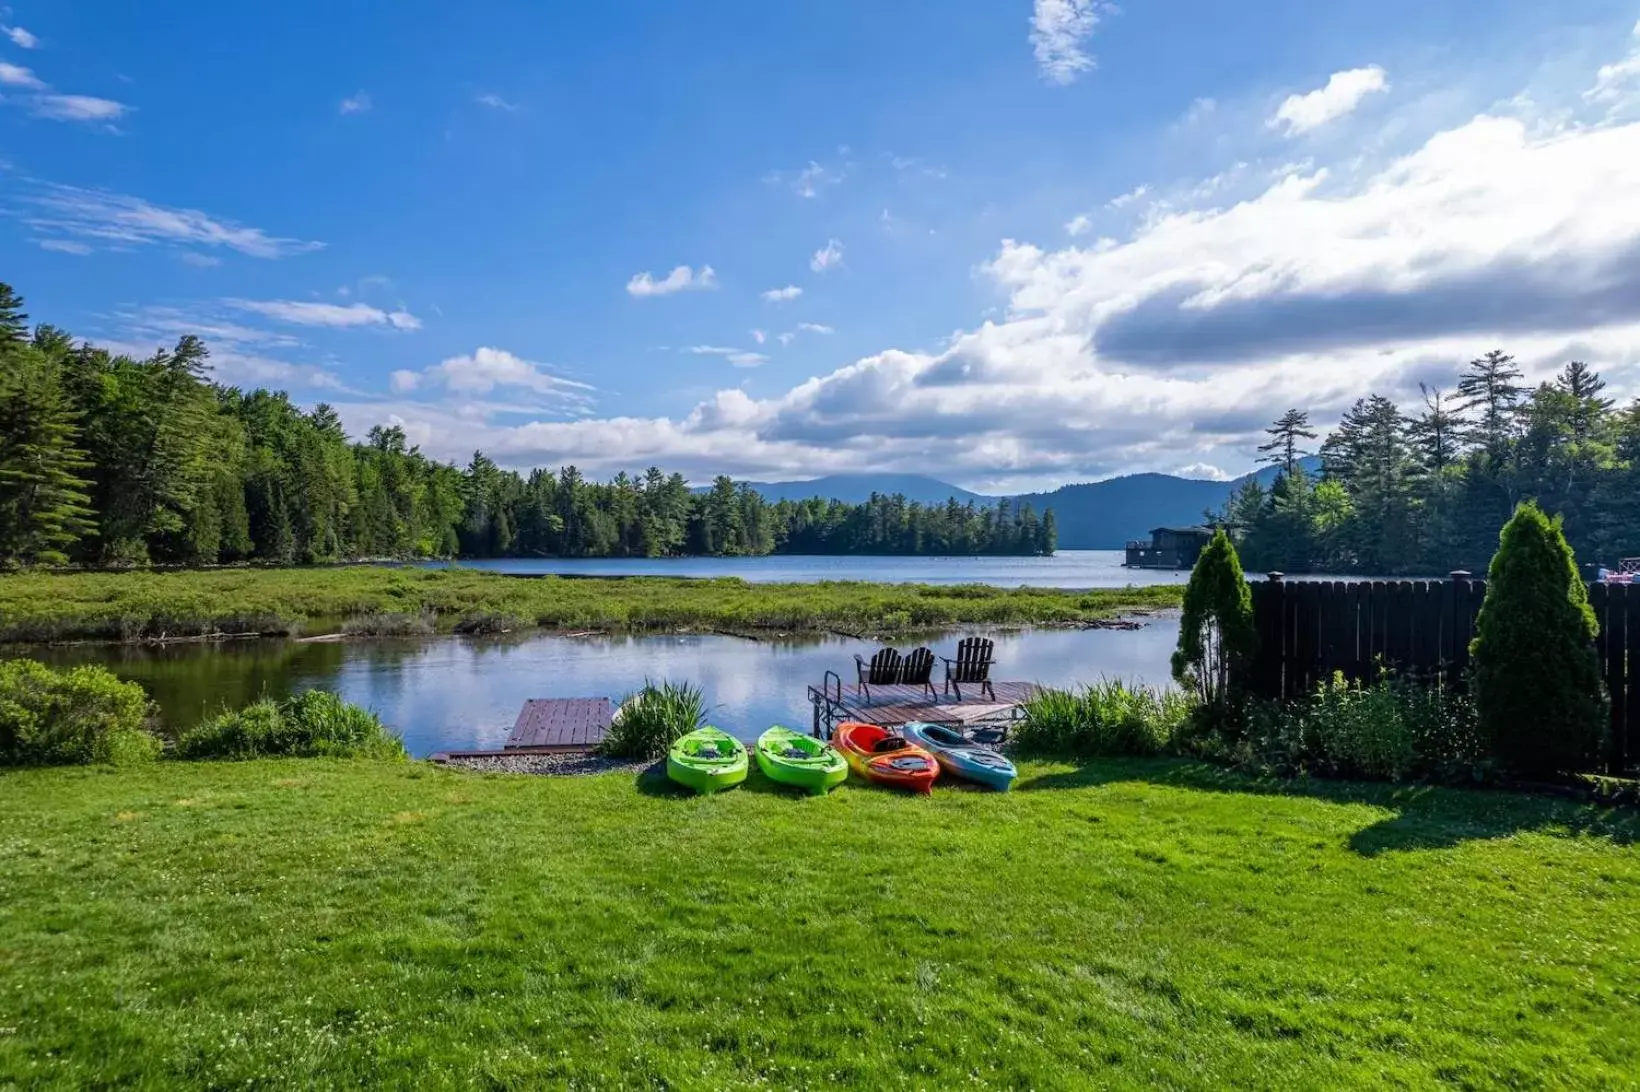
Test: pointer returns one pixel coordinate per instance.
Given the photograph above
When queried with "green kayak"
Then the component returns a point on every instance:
(792, 758)
(707, 760)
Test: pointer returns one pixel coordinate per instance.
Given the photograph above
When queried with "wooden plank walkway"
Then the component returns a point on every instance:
(561, 724)
(892, 706)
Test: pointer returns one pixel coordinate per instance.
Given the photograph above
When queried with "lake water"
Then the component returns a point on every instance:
(1065, 569)
(450, 693)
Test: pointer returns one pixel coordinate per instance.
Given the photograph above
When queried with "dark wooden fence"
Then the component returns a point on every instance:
(1310, 629)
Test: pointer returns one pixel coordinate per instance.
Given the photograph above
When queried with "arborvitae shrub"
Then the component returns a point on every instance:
(1216, 634)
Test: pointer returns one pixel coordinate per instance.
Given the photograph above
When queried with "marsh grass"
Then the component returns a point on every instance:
(313, 724)
(139, 605)
(649, 721)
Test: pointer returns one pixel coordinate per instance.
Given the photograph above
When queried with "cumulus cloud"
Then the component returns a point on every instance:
(1178, 343)
(1078, 225)
(486, 369)
(782, 295)
(760, 336)
(100, 216)
(1060, 30)
(336, 315)
(1204, 472)
(1617, 81)
(1122, 201)
(681, 279)
(1342, 94)
(828, 257)
(20, 38)
(403, 381)
(808, 182)
(356, 103)
(13, 75)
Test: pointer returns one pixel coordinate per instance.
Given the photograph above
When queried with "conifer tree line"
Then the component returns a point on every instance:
(110, 460)
(1424, 488)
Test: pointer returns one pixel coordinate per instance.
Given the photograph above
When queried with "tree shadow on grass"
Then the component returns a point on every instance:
(1426, 816)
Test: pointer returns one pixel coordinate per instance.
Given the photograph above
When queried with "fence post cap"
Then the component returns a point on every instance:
(1461, 574)
(1275, 577)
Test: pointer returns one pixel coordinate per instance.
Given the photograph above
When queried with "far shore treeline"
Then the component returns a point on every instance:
(110, 460)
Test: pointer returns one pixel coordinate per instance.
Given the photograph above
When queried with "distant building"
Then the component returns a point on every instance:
(1169, 548)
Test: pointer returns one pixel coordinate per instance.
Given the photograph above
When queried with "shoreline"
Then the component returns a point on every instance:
(153, 608)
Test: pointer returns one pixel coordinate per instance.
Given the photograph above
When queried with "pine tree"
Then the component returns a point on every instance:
(1283, 450)
(44, 507)
(1491, 385)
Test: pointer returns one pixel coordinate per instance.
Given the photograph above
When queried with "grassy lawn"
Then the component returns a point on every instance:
(57, 606)
(318, 923)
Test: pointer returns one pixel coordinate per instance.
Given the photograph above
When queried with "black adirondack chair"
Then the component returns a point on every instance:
(972, 665)
(883, 669)
(918, 670)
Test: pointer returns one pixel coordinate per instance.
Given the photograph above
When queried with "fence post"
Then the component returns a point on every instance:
(1458, 625)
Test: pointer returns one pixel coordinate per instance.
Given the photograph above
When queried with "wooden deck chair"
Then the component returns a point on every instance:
(972, 665)
(917, 669)
(883, 669)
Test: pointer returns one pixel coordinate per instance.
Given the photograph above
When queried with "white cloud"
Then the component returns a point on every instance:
(760, 336)
(486, 369)
(20, 38)
(201, 261)
(239, 353)
(77, 108)
(740, 358)
(681, 279)
(1342, 94)
(1122, 201)
(788, 337)
(403, 381)
(1204, 472)
(1200, 110)
(112, 218)
(336, 315)
(13, 75)
(496, 102)
(63, 246)
(809, 181)
(814, 328)
(827, 257)
(1615, 82)
(1078, 225)
(782, 295)
(1060, 30)
(357, 103)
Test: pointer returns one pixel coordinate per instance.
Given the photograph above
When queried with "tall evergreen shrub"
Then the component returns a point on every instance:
(1538, 685)
(1216, 634)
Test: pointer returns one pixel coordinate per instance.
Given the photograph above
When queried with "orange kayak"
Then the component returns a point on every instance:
(879, 755)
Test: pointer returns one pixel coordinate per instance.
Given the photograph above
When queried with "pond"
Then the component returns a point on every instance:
(449, 693)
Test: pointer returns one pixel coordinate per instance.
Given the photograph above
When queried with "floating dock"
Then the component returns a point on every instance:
(556, 726)
(892, 706)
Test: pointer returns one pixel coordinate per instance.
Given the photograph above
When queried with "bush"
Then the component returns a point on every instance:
(314, 724)
(650, 720)
(391, 624)
(1217, 637)
(1107, 718)
(1391, 730)
(83, 715)
(1538, 684)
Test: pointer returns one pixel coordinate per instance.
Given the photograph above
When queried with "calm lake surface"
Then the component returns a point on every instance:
(1065, 569)
(448, 693)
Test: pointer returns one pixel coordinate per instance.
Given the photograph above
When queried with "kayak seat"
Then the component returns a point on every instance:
(889, 744)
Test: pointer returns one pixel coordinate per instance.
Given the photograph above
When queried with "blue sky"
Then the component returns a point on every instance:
(1009, 243)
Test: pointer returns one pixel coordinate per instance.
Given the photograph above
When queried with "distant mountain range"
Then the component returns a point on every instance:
(1091, 516)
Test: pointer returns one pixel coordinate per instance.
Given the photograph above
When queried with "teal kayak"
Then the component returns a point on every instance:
(792, 758)
(961, 757)
(706, 760)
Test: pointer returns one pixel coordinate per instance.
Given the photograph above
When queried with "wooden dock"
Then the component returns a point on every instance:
(561, 724)
(892, 706)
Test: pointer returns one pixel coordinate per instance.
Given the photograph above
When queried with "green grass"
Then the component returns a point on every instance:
(136, 605)
(1131, 923)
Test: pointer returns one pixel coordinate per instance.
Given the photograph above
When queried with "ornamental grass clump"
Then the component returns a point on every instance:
(652, 719)
(1107, 718)
(1539, 690)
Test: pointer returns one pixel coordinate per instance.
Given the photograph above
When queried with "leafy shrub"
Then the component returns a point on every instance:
(1216, 632)
(310, 725)
(1107, 718)
(83, 715)
(391, 624)
(1391, 730)
(488, 624)
(1538, 684)
(650, 720)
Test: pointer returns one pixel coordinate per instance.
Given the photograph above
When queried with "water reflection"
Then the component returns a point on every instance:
(456, 692)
